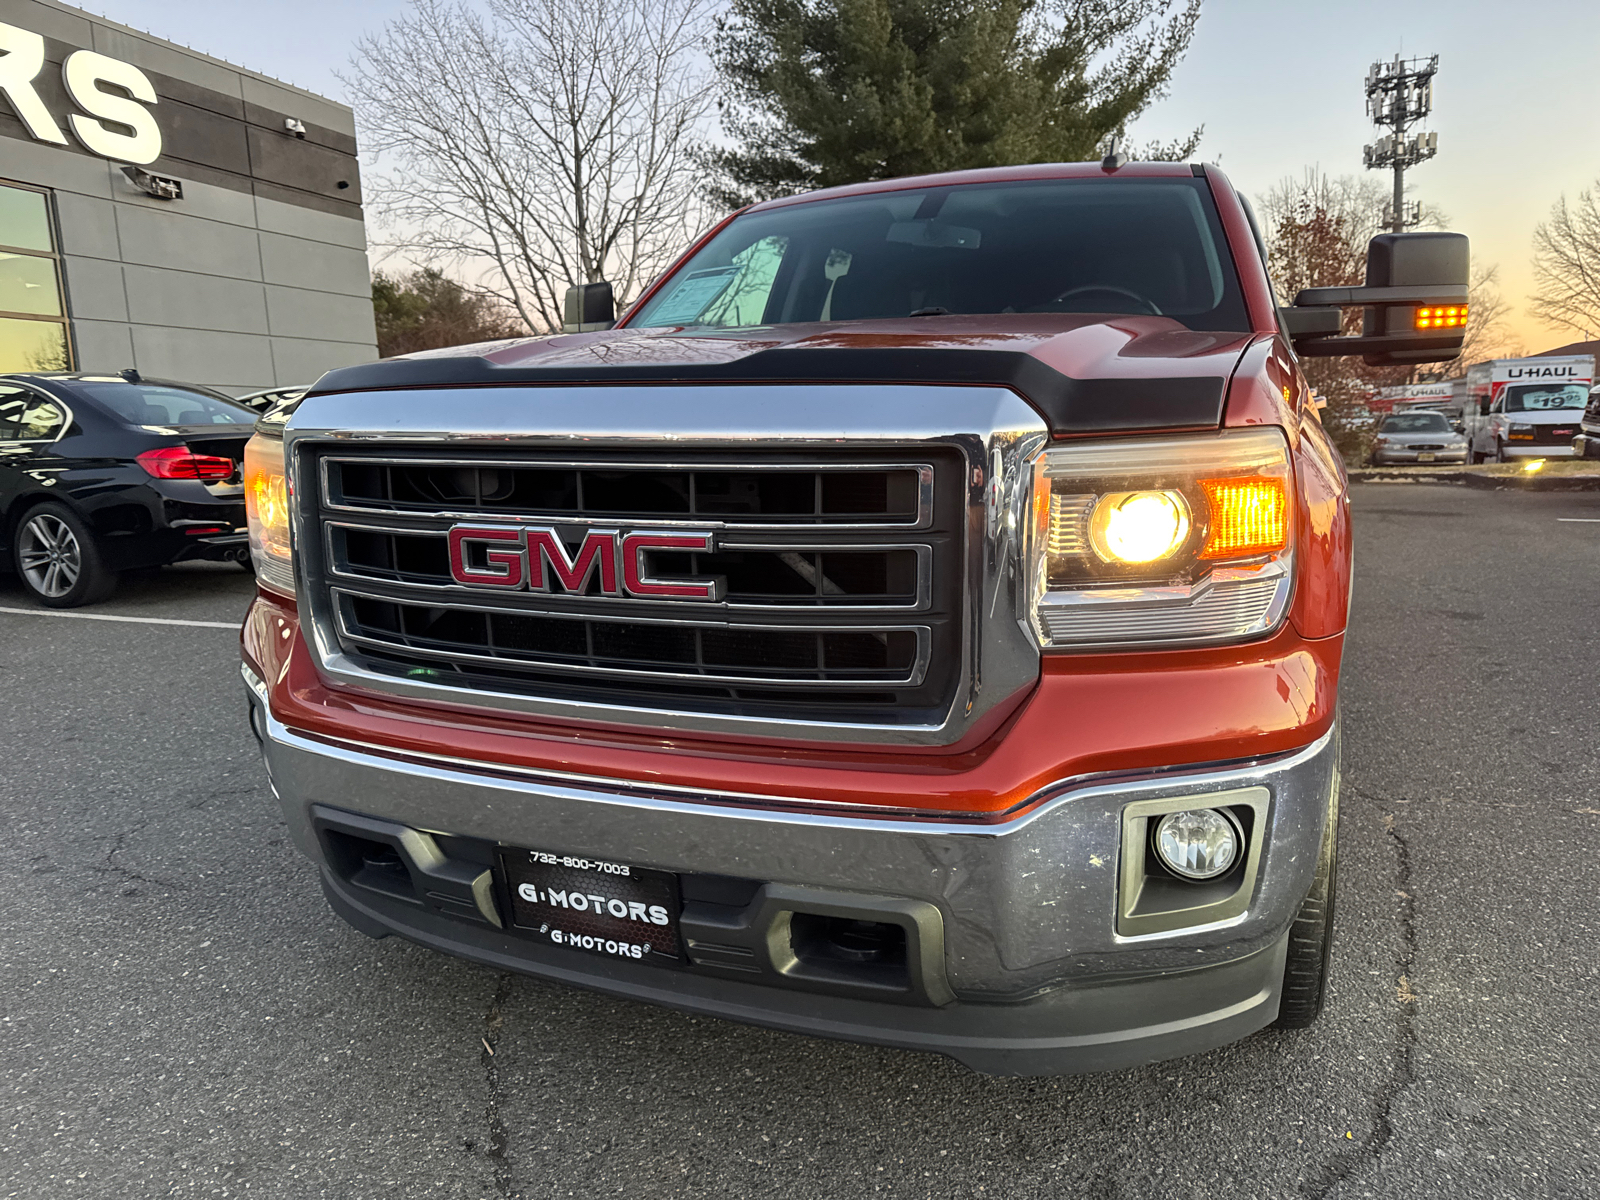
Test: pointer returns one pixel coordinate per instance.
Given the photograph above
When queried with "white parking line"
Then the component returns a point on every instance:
(1580, 520)
(46, 612)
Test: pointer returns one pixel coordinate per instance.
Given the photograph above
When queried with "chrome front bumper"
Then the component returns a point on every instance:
(1391, 457)
(1029, 906)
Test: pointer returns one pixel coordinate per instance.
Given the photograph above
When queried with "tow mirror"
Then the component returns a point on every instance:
(589, 307)
(1415, 299)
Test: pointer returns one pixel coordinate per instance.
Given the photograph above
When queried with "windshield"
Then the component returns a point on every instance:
(1542, 397)
(154, 404)
(1416, 423)
(1037, 246)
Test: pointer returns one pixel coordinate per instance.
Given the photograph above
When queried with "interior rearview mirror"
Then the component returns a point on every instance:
(589, 307)
(1415, 302)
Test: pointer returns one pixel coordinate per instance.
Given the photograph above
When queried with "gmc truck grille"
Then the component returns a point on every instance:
(838, 592)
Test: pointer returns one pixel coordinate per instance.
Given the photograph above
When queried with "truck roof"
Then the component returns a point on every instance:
(1078, 170)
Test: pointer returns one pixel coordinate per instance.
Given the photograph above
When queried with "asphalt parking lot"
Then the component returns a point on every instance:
(182, 1016)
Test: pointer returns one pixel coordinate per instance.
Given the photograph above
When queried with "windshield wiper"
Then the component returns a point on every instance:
(930, 312)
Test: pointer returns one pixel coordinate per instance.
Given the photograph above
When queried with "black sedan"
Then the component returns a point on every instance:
(107, 473)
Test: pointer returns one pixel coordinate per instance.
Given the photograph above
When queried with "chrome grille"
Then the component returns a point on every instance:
(842, 598)
(505, 638)
(760, 575)
(766, 495)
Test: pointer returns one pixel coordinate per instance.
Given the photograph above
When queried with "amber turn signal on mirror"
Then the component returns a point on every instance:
(1451, 316)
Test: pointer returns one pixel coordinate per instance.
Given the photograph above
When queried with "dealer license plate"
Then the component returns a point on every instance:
(615, 910)
(1426, 457)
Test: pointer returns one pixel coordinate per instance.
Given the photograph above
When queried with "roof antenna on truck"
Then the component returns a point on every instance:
(130, 375)
(1114, 156)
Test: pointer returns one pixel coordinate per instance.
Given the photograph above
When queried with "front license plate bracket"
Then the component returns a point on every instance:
(613, 910)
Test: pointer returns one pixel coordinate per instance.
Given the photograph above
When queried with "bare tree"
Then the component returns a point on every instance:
(1566, 265)
(1488, 331)
(1317, 229)
(540, 144)
(1316, 232)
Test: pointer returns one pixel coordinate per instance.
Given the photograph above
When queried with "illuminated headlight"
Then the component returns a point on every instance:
(1139, 527)
(266, 505)
(1199, 843)
(1161, 540)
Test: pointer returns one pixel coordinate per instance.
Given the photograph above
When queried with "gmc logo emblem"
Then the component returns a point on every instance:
(532, 558)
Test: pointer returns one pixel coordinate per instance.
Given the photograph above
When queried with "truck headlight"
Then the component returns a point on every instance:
(1139, 527)
(267, 492)
(1157, 541)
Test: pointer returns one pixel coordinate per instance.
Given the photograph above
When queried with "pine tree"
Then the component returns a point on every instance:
(825, 92)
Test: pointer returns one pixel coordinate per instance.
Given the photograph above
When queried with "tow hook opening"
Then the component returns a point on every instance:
(370, 864)
(846, 941)
(846, 952)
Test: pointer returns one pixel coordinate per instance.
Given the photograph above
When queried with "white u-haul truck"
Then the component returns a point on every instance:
(1526, 407)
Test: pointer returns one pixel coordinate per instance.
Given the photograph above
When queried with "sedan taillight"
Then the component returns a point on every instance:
(179, 462)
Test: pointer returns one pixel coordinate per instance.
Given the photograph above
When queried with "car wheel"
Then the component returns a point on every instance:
(58, 560)
(1305, 972)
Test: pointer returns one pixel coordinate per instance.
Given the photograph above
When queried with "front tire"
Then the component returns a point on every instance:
(1305, 972)
(57, 559)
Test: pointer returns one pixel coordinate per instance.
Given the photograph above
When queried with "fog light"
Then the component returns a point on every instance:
(1200, 843)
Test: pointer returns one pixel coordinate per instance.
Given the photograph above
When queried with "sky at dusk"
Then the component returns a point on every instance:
(1278, 85)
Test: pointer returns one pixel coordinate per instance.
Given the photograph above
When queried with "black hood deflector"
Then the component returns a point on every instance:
(1068, 405)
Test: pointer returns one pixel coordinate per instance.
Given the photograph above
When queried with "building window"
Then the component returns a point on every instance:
(33, 316)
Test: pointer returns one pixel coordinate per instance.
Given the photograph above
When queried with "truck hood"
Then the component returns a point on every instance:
(1545, 416)
(1084, 373)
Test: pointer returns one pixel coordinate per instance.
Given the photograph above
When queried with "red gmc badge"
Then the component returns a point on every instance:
(533, 558)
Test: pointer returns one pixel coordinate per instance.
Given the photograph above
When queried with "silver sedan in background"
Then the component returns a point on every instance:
(1418, 437)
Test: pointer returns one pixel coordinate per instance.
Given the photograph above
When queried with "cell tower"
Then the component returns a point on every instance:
(1399, 94)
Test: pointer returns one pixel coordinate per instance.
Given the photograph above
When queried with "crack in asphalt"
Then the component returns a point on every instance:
(1403, 1072)
(108, 867)
(491, 1073)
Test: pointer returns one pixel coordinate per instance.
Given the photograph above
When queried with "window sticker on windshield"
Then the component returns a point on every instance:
(690, 298)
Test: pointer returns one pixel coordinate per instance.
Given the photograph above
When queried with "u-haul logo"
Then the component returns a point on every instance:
(610, 562)
(1545, 373)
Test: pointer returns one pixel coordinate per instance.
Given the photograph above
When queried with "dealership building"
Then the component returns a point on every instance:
(172, 213)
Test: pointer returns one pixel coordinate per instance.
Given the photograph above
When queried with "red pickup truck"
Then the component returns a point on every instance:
(917, 620)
